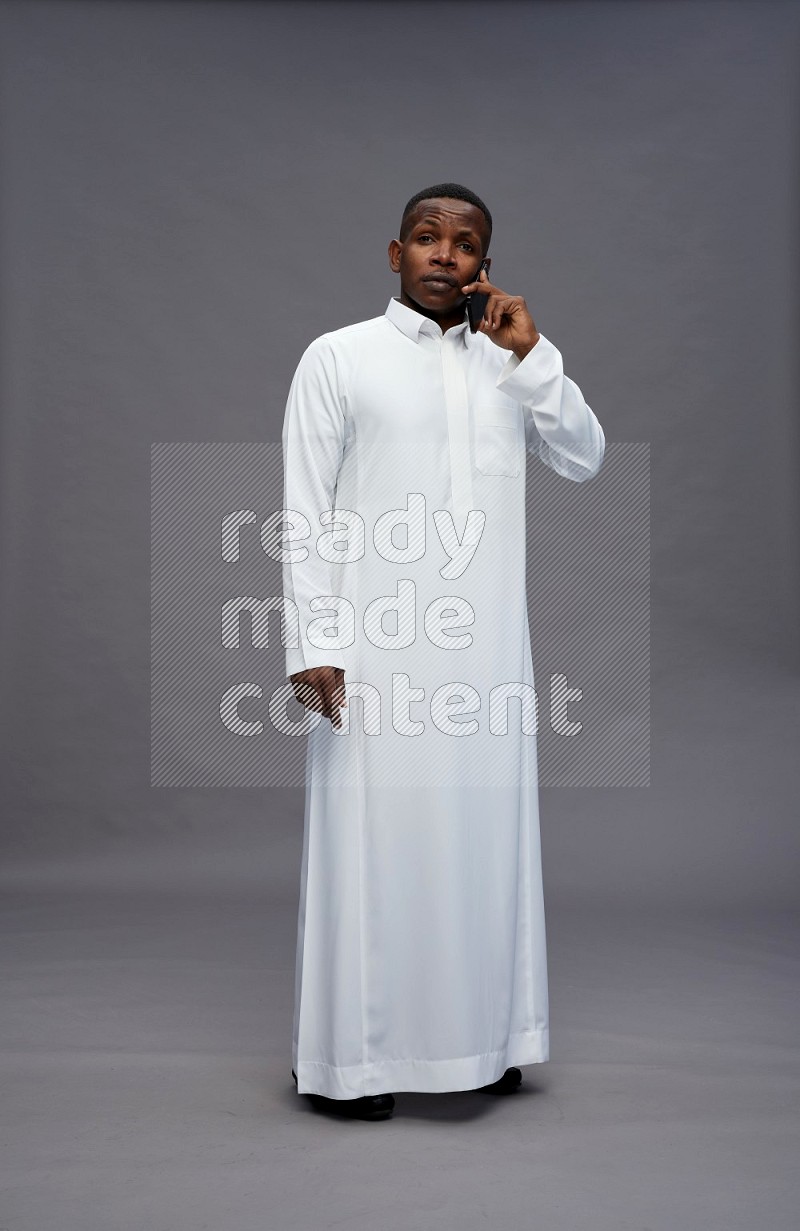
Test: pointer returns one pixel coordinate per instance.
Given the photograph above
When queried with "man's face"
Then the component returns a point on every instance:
(441, 253)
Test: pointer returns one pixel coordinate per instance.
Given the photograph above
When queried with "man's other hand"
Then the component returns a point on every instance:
(321, 689)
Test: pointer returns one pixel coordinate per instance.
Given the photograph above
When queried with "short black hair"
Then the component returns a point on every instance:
(446, 190)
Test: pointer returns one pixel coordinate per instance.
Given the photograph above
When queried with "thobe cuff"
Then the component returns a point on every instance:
(520, 378)
(306, 656)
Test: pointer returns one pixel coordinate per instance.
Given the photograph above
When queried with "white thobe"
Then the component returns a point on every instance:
(421, 957)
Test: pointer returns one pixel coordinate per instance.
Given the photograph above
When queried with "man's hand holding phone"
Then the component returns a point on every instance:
(506, 319)
(321, 689)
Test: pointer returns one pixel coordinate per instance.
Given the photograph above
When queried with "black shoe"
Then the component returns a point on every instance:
(368, 1107)
(507, 1084)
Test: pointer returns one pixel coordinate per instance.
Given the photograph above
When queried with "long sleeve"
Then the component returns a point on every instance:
(313, 445)
(559, 426)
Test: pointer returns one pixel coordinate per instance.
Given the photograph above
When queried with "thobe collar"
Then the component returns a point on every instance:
(413, 323)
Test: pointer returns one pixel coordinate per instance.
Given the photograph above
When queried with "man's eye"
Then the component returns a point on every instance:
(464, 244)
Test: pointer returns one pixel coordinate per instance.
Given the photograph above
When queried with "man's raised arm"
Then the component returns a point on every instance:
(559, 426)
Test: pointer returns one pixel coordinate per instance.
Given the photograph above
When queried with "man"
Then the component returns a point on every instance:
(421, 960)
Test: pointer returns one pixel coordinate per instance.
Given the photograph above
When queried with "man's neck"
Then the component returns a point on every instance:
(444, 321)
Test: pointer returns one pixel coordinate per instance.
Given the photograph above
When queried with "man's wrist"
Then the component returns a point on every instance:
(524, 348)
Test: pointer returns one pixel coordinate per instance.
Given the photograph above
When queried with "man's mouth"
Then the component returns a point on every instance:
(440, 280)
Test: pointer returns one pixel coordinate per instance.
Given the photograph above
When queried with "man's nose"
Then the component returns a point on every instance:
(444, 255)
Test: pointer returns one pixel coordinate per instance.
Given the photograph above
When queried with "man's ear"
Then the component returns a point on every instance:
(395, 248)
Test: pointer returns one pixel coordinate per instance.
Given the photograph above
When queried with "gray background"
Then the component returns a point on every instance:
(191, 193)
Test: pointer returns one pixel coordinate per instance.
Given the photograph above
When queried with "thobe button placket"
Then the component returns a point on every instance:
(457, 403)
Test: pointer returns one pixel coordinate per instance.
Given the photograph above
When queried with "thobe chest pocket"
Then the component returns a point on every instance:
(498, 441)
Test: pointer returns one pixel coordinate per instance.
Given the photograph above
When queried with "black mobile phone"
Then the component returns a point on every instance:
(476, 302)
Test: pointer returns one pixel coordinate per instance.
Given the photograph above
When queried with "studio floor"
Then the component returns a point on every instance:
(146, 1078)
